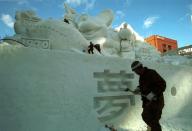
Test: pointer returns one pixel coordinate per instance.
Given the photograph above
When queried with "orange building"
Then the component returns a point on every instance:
(161, 43)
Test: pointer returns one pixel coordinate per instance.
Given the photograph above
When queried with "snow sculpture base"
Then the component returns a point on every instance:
(43, 90)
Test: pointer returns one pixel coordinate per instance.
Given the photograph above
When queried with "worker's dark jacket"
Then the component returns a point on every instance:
(151, 81)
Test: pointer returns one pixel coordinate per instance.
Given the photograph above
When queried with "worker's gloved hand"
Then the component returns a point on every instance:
(137, 91)
(151, 96)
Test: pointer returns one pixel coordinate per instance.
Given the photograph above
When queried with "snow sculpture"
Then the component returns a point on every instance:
(47, 34)
(33, 31)
(144, 51)
(70, 14)
(56, 90)
(22, 16)
(93, 28)
(89, 23)
(125, 33)
(127, 38)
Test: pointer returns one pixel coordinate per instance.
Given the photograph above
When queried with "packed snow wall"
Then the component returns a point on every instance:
(51, 90)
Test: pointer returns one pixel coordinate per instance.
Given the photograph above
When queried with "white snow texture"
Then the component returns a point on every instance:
(52, 85)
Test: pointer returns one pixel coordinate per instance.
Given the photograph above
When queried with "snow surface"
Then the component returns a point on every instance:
(52, 90)
(52, 84)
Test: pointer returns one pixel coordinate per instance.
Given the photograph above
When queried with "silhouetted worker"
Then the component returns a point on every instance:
(90, 48)
(151, 87)
(66, 21)
(97, 46)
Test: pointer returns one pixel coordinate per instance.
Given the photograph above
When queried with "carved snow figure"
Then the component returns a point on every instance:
(52, 88)
(33, 31)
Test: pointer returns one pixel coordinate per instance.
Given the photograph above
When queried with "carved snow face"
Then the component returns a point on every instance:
(92, 23)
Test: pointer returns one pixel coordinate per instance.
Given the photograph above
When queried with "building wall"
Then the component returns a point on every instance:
(184, 51)
(161, 43)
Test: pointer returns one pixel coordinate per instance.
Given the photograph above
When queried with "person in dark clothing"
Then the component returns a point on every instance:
(90, 48)
(66, 21)
(151, 87)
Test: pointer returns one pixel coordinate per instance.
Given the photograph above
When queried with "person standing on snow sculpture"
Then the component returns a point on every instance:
(66, 20)
(151, 87)
(90, 48)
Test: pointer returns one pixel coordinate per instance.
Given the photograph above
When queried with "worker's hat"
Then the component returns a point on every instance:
(135, 65)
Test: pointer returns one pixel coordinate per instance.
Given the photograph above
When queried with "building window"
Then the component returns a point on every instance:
(164, 50)
(169, 47)
(164, 46)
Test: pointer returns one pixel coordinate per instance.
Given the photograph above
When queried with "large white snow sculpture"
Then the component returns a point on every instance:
(33, 31)
(48, 90)
(47, 34)
(97, 29)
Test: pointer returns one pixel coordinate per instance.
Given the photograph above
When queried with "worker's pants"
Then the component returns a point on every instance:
(152, 114)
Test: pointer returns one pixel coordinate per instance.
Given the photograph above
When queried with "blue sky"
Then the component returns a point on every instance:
(169, 18)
